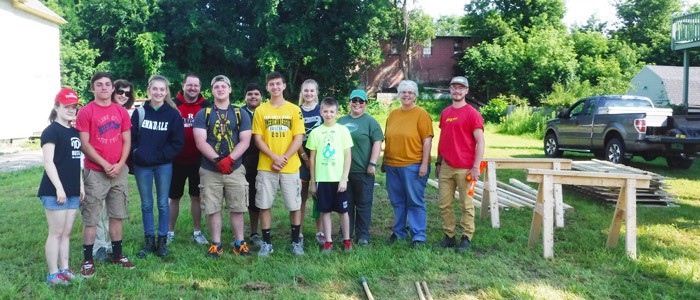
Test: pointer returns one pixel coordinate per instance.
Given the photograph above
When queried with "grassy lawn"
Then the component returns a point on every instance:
(500, 264)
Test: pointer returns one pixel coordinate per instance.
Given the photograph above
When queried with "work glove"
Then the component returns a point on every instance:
(224, 165)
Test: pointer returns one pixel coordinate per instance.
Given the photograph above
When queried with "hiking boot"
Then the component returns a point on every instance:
(392, 239)
(447, 242)
(199, 238)
(56, 279)
(321, 238)
(464, 245)
(67, 274)
(347, 246)
(162, 248)
(418, 244)
(241, 249)
(101, 255)
(123, 261)
(215, 251)
(256, 240)
(297, 249)
(265, 249)
(87, 270)
(362, 242)
(327, 247)
(171, 237)
(148, 247)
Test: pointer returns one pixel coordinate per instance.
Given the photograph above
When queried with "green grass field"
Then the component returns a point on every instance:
(500, 264)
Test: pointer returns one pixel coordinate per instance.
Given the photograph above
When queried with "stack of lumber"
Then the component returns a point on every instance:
(513, 195)
(654, 195)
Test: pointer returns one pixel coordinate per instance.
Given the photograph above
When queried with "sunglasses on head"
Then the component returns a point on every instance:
(123, 92)
(356, 100)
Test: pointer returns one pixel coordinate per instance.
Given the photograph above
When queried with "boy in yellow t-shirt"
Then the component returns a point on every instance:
(277, 131)
(330, 165)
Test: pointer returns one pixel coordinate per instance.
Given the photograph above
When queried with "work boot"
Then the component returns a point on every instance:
(162, 249)
(447, 242)
(148, 247)
(464, 244)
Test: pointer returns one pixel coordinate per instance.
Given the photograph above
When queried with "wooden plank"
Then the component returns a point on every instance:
(548, 216)
(630, 219)
(536, 225)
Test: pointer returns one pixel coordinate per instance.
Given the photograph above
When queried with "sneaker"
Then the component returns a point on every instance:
(321, 238)
(215, 251)
(327, 247)
(87, 270)
(256, 240)
(464, 245)
(347, 246)
(123, 261)
(447, 242)
(171, 238)
(392, 239)
(362, 242)
(56, 279)
(265, 249)
(297, 249)
(67, 274)
(418, 244)
(101, 255)
(241, 249)
(199, 238)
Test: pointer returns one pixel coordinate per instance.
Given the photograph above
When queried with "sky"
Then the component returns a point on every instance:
(577, 11)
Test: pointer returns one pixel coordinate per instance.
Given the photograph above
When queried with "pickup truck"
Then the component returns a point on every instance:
(617, 127)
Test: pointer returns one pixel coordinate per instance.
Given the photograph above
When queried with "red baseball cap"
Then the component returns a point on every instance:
(67, 97)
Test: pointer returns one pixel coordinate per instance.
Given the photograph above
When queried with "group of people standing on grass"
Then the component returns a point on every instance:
(238, 158)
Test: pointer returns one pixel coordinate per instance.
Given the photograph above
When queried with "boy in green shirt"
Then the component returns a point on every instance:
(330, 165)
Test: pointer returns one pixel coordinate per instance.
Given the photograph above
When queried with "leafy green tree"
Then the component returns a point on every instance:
(448, 26)
(646, 25)
(487, 19)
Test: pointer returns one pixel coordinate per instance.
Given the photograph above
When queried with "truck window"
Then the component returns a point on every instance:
(626, 103)
(577, 109)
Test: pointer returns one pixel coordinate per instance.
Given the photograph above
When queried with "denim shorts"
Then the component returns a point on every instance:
(50, 203)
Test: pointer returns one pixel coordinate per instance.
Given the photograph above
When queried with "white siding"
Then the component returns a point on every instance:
(30, 73)
(646, 83)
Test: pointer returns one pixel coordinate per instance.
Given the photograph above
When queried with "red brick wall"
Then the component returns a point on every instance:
(435, 69)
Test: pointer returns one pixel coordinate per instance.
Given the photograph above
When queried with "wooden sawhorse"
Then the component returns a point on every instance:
(626, 207)
(490, 196)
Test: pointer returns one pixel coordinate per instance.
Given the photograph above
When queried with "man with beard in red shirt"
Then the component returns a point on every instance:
(186, 165)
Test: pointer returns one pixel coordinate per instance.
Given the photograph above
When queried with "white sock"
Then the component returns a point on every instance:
(197, 232)
(171, 233)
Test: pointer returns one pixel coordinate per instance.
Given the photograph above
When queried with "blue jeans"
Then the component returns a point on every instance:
(144, 181)
(407, 196)
(361, 192)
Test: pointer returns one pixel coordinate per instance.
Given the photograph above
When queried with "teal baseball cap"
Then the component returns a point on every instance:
(358, 94)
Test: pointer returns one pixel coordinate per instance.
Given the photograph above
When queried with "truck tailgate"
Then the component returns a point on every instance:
(655, 117)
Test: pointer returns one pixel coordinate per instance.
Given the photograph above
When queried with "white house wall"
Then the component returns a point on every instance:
(646, 83)
(30, 73)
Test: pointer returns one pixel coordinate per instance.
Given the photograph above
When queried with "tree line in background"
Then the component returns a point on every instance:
(525, 52)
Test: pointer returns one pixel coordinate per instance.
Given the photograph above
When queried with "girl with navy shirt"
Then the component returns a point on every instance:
(157, 136)
(311, 111)
(61, 188)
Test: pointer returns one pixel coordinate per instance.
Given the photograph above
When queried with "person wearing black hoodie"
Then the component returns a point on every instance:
(157, 137)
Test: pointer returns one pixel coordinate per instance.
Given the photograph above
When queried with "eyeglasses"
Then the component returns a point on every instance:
(356, 100)
(123, 92)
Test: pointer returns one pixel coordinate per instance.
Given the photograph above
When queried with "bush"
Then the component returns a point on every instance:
(497, 107)
(525, 121)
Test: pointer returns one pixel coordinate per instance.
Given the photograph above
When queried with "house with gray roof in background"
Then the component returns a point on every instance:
(30, 67)
(664, 86)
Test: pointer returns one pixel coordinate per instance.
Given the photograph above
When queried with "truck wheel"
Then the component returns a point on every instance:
(615, 151)
(679, 162)
(551, 146)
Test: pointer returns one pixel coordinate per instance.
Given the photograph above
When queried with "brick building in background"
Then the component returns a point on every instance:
(434, 64)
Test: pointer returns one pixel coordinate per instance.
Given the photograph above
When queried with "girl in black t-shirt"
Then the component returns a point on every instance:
(61, 188)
